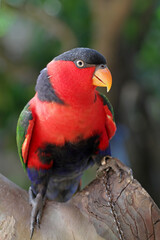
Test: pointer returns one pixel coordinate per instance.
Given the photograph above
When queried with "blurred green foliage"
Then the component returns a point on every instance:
(6, 20)
(147, 55)
(77, 15)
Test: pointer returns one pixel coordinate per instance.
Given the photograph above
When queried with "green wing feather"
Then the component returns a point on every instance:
(107, 102)
(22, 127)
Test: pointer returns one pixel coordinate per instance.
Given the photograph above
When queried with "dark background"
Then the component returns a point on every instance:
(126, 32)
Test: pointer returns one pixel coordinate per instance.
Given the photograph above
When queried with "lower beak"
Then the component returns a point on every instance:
(102, 78)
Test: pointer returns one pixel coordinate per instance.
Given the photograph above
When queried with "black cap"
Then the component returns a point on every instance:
(87, 55)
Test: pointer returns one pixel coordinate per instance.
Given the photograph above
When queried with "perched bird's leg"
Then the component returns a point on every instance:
(37, 202)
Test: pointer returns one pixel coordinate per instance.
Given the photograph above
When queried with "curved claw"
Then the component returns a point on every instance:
(108, 163)
(103, 166)
(31, 233)
(37, 202)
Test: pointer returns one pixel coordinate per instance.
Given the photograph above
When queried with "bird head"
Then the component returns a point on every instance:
(75, 74)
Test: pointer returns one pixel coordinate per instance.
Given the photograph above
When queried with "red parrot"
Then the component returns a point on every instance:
(66, 127)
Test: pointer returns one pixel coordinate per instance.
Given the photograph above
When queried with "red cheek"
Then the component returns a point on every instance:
(69, 81)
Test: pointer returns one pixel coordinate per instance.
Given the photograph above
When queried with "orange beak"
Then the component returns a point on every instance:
(102, 78)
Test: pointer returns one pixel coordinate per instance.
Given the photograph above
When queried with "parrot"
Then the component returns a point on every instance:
(65, 128)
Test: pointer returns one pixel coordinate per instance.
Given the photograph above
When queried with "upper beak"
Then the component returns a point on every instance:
(102, 78)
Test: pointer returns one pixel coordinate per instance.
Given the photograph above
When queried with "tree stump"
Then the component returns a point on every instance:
(113, 207)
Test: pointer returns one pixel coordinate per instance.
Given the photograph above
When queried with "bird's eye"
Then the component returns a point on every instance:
(80, 63)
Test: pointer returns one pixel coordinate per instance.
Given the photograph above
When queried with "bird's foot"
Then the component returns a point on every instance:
(103, 166)
(37, 202)
(111, 164)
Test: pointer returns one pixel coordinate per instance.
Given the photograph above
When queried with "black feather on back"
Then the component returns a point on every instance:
(88, 55)
(45, 89)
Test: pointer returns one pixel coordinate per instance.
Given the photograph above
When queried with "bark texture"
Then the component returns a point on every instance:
(114, 206)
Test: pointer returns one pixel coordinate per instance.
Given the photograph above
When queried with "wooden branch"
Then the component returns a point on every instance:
(113, 206)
